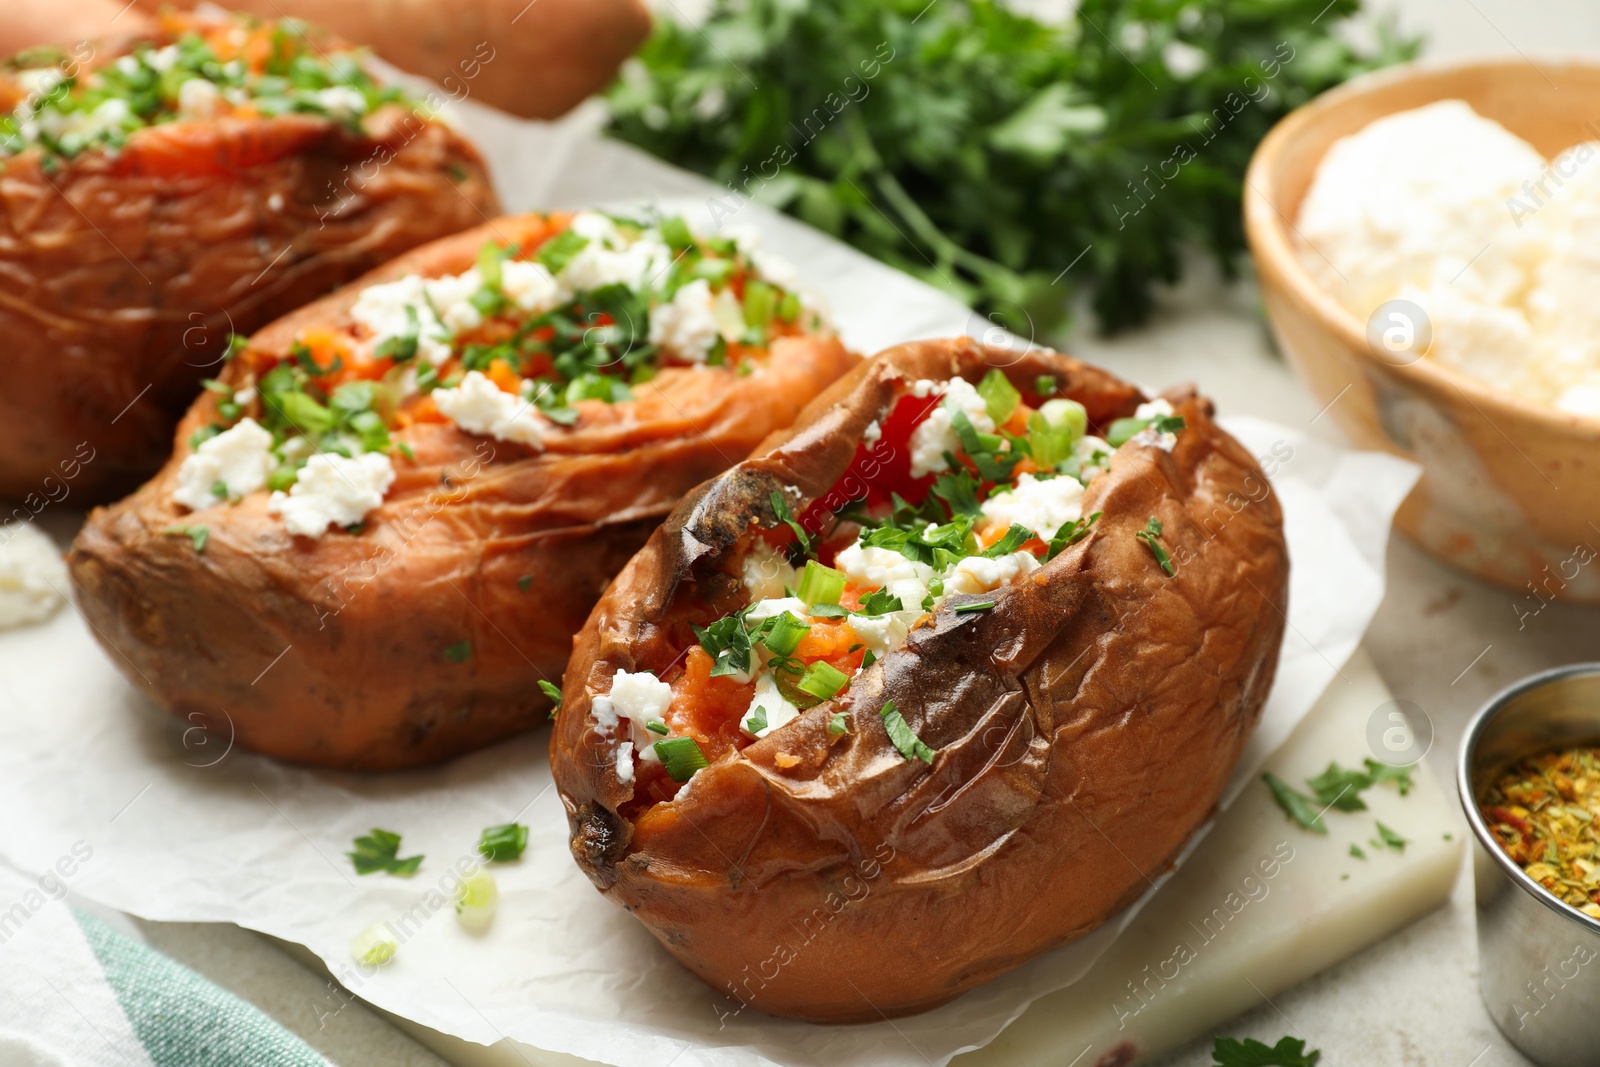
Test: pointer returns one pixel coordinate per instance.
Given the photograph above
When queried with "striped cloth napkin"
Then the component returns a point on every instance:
(76, 992)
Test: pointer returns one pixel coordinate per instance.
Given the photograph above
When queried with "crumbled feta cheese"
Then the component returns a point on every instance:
(237, 460)
(382, 310)
(529, 285)
(687, 325)
(452, 295)
(245, 396)
(127, 66)
(611, 258)
(162, 59)
(39, 80)
(1042, 506)
(885, 633)
(1152, 409)
(766, 572)
(872, 435)
(333, 490)
(876, 567)
(198, 99)
(342, 100)
(935, 435)
(33, 578)
(479, 406)
(625, 762)
(770, 699)
(766, 609)
(1093, 455)
(1149, 436)
(637, 698)
(978, 574)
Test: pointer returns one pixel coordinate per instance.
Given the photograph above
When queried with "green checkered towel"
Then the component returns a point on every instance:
(75, 992)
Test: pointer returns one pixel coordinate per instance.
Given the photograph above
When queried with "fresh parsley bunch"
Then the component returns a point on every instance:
(1011, 162)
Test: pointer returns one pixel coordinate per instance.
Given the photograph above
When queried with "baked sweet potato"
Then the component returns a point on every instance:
(160, 192)
(383, 525)
(1008, 684)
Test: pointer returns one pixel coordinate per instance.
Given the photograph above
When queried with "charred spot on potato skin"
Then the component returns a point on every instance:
(599, 840)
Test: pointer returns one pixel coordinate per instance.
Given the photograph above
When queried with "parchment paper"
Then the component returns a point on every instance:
(182, 828)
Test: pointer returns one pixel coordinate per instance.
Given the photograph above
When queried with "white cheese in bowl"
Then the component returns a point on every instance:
(1499, 248)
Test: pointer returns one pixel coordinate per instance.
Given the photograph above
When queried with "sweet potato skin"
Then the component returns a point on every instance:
(363, 621)
(124, 274)
(1084, 727)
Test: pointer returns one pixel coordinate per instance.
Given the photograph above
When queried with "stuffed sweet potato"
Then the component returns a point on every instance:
(936, 680)
(162, 191)
(385, 521)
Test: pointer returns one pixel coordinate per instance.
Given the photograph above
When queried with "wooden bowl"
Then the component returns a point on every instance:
(1510, 489)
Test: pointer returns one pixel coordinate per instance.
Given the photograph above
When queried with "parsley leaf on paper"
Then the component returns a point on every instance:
(1011, 162)
(1288, 1052)
(380, 851)
(1299, 807)
(1340, 787)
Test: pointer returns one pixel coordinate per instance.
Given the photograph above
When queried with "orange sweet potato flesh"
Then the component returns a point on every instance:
(1084, 726)
(124, 273)
(366, 618)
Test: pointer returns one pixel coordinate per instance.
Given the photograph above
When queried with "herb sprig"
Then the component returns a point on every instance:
(985, 151)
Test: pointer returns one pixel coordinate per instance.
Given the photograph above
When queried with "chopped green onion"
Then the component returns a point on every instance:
(676, 233)
(476, 897)
(973, 605)
(1045, 385)
(656, 726)
(784, 634)
(553, 691)
(821, 585)
(999, 395)
(760, 303)
(1048, 445)
(904, 739)
(503, 843)
(681, 757)
(822, 680)
(374, 946)
(197, 535)
(459, 652)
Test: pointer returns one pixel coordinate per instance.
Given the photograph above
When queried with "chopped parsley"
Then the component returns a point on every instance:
(839, 724)
(1288, 1052)
(904, 739)
(1295, 804)
(380, 851)
(1151, 536)
(459, 652)
(1391, 839)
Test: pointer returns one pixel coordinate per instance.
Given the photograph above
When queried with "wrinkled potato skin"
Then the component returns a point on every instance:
(121, 276)
(1084, 728)
(366, 618)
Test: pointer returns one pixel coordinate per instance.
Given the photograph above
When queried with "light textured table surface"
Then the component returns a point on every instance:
(1441, 640)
